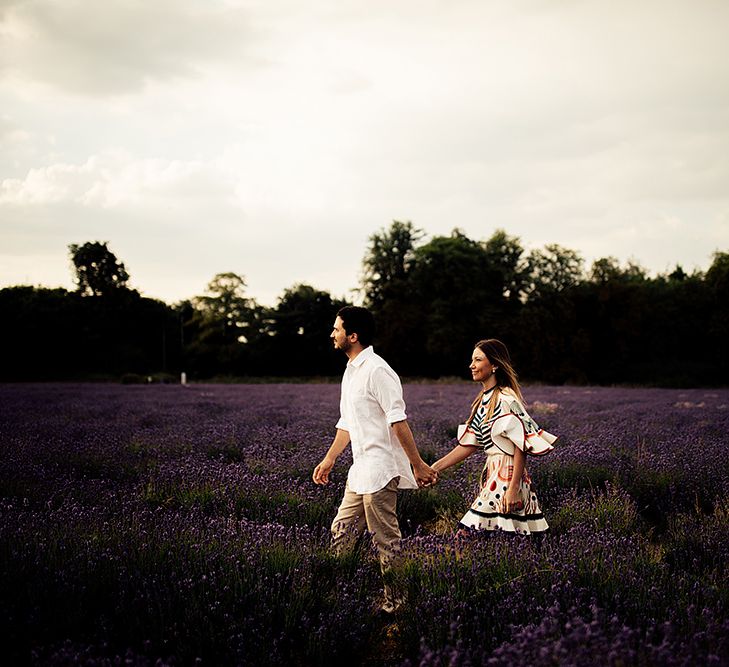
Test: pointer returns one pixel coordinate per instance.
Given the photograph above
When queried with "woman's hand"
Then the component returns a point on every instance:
(512, 500)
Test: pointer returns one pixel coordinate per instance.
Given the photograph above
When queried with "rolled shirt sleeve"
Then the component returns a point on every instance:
(387, 389)
(342, 423)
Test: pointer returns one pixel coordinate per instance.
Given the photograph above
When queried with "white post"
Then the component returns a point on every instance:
(183, 378)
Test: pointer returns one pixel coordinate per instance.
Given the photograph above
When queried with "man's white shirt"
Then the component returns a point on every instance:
(370, 402)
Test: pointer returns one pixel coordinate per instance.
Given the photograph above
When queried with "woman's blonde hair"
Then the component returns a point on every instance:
(506, 378)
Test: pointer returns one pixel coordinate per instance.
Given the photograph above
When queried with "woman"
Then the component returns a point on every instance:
(499, 423)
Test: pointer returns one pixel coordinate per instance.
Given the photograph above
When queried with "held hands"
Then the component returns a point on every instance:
(424, 474)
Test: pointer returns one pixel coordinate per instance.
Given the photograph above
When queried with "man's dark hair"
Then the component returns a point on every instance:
(360, 321)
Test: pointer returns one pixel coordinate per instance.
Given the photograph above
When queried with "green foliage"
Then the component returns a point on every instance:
(387, 288)
(225, 310)
(718, 274)
(218, 327)
(428, 507)
(432, 300)
(611, 509)
(553, 270)
(297, 341)
(387, 263)
(455, 285)
(286, 508)
(59, 334)
(98, 271)
(469, 573)
(505, 253)
(693, 540)
(559, 476)
(229, 452)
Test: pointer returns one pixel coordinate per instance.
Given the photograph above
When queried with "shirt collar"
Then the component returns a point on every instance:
(362, 357)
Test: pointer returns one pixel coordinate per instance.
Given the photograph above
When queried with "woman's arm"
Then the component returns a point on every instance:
(512, 498)
(456, 455)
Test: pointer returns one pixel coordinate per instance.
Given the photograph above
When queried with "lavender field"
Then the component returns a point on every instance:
(152, 525)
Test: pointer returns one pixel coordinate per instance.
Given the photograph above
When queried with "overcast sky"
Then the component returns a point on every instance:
(271, 138)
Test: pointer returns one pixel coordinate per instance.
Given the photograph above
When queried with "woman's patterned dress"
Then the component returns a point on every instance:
(508, 427)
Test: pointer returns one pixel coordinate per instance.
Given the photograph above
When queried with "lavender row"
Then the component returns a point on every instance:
(164, 524)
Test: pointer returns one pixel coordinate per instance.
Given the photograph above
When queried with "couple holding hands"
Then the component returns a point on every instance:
(385, 457)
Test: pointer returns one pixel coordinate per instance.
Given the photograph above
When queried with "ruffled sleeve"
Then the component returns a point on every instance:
(515, 428)
(467, 437)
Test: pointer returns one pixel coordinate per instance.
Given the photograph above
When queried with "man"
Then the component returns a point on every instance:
(373, 419)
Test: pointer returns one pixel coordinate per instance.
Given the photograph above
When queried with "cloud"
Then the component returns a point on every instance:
(118, 46)
(272, 139)
(117, 180)
(175, 224)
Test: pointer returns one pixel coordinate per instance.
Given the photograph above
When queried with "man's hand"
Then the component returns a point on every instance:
(321, 472)
(424, 474)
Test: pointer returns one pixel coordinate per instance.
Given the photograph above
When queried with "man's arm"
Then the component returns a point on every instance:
(424, 474)
(321, 472)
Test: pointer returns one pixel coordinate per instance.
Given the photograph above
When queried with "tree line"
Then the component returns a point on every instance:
(563, 322)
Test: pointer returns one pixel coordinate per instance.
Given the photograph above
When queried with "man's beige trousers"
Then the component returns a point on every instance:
(374, 511)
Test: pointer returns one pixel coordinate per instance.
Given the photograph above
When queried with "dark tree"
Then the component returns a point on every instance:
(388, 291)
(387, 263)
(228, 313)
(505, 254)
(553, 269)
(222, 329)
(434, 300)
(717, 277)
(717, 280)
(458, 297)
(98, 271)
(298, 331)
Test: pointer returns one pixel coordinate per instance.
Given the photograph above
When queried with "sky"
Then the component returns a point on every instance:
(272, 138)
